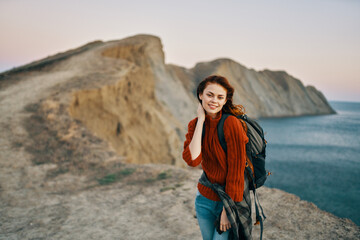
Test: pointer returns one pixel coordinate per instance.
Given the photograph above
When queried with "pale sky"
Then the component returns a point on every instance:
(316, 41)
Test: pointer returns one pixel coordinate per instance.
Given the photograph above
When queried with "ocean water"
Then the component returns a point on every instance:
(318, 158)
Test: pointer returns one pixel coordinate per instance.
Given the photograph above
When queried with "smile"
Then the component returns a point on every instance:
(212, 106)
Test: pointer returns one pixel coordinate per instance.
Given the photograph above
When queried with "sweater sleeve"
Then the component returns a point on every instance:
(186, 152)
(236, 139)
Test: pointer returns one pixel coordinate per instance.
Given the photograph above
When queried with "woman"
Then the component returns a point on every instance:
(215, 95)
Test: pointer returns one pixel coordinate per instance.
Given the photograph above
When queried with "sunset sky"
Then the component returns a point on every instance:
(316, 41)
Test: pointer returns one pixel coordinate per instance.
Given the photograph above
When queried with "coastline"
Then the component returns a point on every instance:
(296, 150)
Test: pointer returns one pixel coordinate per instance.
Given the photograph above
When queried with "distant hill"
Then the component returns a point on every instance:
(125, 93)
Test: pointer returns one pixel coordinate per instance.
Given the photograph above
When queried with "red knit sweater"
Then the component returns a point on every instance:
(219, 167)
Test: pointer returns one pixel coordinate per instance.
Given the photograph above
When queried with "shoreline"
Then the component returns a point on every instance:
(310, 202)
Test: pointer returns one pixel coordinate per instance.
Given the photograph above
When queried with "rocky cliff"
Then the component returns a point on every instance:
(266, 93)
(126, 94)
(113, 83)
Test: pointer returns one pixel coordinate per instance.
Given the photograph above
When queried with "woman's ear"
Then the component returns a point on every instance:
(200, 96)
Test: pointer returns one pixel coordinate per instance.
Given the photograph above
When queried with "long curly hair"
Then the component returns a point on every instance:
(229, 107)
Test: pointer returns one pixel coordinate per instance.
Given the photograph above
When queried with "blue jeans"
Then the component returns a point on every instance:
(206, 212)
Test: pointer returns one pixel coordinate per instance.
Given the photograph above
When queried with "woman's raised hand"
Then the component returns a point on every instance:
(200, 113)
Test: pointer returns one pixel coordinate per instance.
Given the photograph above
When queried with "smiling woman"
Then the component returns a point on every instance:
(213, 99)
(217, 88)
(215, 96)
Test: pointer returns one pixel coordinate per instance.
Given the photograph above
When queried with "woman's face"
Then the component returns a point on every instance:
(213, 98)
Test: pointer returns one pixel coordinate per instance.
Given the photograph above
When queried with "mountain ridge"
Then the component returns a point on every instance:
(244, 81)
(108, 85)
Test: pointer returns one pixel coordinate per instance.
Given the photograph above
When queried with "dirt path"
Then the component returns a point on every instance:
(15, 165)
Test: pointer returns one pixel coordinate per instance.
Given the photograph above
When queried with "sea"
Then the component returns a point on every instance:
(318, 158)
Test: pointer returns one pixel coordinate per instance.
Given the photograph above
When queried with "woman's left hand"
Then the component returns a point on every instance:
(224, 221)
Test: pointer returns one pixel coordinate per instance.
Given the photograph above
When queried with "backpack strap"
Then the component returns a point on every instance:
(260, 216)
(220, 130)
(203, 132)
